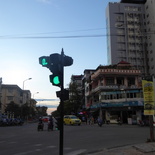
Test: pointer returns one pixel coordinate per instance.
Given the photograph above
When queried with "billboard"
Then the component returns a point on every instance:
(148, 94)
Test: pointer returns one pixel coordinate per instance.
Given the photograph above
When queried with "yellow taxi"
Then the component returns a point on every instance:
(72, 120)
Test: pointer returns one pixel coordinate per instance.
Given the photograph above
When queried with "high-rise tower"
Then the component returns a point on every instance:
(130, 27)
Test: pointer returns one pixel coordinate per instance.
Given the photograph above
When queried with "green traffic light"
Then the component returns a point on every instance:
(44, 62)
(56, 80)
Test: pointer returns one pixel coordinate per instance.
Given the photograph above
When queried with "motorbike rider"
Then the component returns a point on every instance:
(100, 121)
(50, 123)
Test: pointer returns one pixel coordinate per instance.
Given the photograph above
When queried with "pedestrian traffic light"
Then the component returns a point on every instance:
(44, 61)
(55, 79)
(56, 62)
(65, 94)
(57, 123)
(68, 61)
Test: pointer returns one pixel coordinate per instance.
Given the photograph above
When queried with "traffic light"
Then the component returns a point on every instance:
(68, 61)
(56, 62)
(55, 79)
(57, 123)
(65, 94)
(44, 61)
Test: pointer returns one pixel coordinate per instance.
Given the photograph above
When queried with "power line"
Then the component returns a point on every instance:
(54, 37)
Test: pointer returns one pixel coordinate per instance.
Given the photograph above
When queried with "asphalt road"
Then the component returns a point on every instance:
(26, 140)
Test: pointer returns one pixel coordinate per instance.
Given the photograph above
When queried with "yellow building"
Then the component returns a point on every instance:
(13, 93)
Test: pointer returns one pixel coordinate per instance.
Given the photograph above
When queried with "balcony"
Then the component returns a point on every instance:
(113, 87)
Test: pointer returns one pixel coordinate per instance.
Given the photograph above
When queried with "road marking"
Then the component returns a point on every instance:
(77, 152)
(12, 142)
(51, 146)
(38, 144)
(67, 148)
(23, 153)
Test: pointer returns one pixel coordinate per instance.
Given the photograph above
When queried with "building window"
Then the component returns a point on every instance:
(10, 90)
(120, 81)
(10, 98)
(109, 81)
(131, 81)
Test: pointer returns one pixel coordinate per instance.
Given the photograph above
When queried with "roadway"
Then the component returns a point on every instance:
(26, 140)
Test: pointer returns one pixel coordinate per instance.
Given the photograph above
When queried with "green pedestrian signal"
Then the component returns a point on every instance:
(44, 61)
(56, 63)
(55, 80)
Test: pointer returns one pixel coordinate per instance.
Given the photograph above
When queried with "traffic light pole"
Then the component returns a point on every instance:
(56, 63)
(61, 138)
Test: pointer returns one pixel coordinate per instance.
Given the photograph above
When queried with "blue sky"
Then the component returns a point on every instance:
(23, 19)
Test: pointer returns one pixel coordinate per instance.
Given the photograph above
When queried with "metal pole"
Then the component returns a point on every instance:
(151, 128)
(62, 106)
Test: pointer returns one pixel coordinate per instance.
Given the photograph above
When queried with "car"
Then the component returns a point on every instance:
(45, 118)
(71, 120)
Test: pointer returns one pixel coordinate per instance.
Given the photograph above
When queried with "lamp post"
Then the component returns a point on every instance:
(26, 80)
(23, 95)
(34, 94)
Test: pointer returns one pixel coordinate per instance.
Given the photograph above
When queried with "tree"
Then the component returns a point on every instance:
(42, 111)
(75, 99)
(13, 109)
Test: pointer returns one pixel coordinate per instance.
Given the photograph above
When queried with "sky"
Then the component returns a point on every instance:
(30, 29)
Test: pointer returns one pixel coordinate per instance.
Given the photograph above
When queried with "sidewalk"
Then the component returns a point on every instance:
(135, 149)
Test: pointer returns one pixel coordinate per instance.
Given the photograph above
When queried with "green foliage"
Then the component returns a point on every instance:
(25, 111)
(42, 111)
(13, 108)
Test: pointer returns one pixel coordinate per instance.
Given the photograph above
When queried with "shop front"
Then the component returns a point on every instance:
(128, 112)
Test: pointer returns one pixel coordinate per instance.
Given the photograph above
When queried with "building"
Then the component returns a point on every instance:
(130, 37)
(116, 90)
(86, 85)
(13, 93)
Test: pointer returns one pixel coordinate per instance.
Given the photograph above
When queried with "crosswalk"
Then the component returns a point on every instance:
(38, 148)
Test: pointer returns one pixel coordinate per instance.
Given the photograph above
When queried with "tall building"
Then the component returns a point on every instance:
(130, 34)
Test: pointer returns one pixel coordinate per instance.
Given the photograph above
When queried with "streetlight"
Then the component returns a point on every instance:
(34, 94)
(26, 80)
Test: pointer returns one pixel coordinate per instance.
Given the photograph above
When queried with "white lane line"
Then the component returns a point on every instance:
(12, 142)
(76, 152)
(51, 146)
(23, 153)
(38, 144)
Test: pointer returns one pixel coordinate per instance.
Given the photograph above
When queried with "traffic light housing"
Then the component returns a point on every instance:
(56, 63)
(65, 94)
(57, 123)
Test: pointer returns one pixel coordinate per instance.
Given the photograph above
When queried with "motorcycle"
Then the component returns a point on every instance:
(100, 122)
(40, 126)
